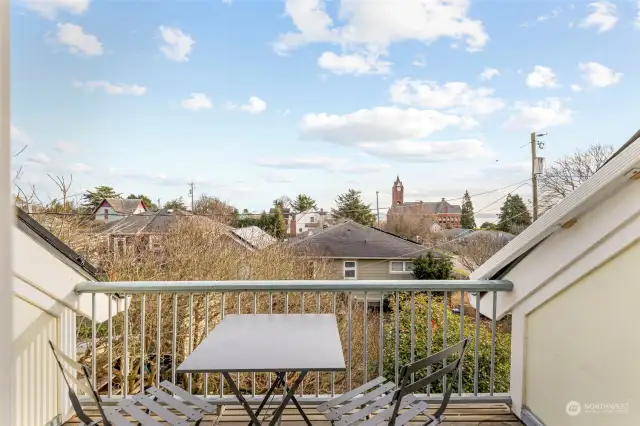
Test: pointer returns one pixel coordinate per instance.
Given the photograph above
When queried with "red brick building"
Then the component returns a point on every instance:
(427, 214)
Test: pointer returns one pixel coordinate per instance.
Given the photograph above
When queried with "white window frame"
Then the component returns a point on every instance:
(154, 243)
(353, 268)
(404, 266)
(312, 219)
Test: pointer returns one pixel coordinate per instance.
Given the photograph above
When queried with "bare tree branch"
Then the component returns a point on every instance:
(566, 174)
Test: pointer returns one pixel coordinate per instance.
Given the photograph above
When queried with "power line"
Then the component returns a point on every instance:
(371, 209)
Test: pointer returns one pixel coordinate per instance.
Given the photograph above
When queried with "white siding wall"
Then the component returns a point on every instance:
(44, 307)
(304, 219)
(583, 346)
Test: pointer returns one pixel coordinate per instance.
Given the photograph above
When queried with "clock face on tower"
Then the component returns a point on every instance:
(398, 189)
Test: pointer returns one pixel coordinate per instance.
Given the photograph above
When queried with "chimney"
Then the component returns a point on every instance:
(292, 226)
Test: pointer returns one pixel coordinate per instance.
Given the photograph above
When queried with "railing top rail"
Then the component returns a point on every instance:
(292, 285)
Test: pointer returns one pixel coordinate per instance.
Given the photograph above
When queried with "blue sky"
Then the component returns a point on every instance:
(257, 99)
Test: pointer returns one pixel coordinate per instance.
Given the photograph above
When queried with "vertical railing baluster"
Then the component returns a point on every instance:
(286, 311)
(477, 344)
(349, 343)
(429, 331)
(206, 333)
(493, 342)
(444, 337)
(397, 355)
(317, 372)
(380, 355)
(333, 374)
(461, 338)
(302, 312)
(222, 296)
(159, 340)
(125, 389)
(174, 336)
(238, 374)
(270, 311)
(94, 338)
(190, 334)
(143, 363)
(253, 375)
(110, 348)
(413, 330)
(364, 361)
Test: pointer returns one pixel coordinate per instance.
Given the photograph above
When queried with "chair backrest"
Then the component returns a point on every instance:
(453, 369)
(79, 375)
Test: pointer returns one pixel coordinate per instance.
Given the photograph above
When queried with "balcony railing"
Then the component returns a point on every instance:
(162, 322)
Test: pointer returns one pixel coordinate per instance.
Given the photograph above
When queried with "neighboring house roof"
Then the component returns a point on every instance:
(352, 240)
(429, 207)
(454, 232)
(53, 244)
(594, 190)
(122, 205)
(484, 233)
(148, 222)
(254, 236)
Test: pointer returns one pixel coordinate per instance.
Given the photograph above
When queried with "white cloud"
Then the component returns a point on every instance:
(453, 95)
(419, 61)
(64, 147)
(376, 25)
(540, 115)
(77, 41)
(637, 20)
(51, 8)
(79, 168)
(39, 158)
(554, 14)
(380, 124)
(430, 151)
(541, 77)
(18, 136)
(279, 178)
(111, 88)
(604, 16)
(177, 45)
(598, 75)
(576, 88)
(489, 73)
(318, 162)
(254, 106)
(197, 101)
(354, 64)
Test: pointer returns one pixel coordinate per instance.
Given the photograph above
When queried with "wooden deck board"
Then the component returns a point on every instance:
(456, 415)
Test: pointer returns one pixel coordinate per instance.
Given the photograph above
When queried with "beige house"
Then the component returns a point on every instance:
(575, 328)
(363, 252)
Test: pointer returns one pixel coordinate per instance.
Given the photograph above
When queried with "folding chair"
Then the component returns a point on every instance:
(174, 411)
(378, 402)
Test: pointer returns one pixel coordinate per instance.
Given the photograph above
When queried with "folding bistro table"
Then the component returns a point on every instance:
(271, 343)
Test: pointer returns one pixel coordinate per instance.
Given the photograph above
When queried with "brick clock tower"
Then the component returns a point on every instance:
(397, 194)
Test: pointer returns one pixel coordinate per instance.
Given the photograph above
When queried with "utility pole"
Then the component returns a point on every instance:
(191, 187)
(534, 179)
(159, 205)
(536, 163)
(377, 210)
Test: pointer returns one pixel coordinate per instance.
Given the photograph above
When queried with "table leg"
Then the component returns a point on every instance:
(241, 398)
(295, 401)
(285, 400)
(275, 384)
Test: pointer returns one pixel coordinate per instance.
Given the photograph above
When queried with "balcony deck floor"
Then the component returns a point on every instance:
(456, 415)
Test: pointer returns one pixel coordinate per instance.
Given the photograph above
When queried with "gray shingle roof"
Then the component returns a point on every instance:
(352, 240)
(254, 236)
(123, 205)
(156, 222)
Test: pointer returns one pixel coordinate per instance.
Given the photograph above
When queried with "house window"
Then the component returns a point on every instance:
(299, 229)
(120, 245)
(106, 214)
(400, 267)
(350, 270)
(312, 219)
(154, 242)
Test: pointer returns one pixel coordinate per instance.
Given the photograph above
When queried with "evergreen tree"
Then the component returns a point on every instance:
(92, 199)
(432, 268)
(303, 203)
(468, 221)
(488, 226)
(514, 216)
(350, 206)
(279, 225)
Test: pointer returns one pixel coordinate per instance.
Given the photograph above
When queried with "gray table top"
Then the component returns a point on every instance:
(269, 343)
